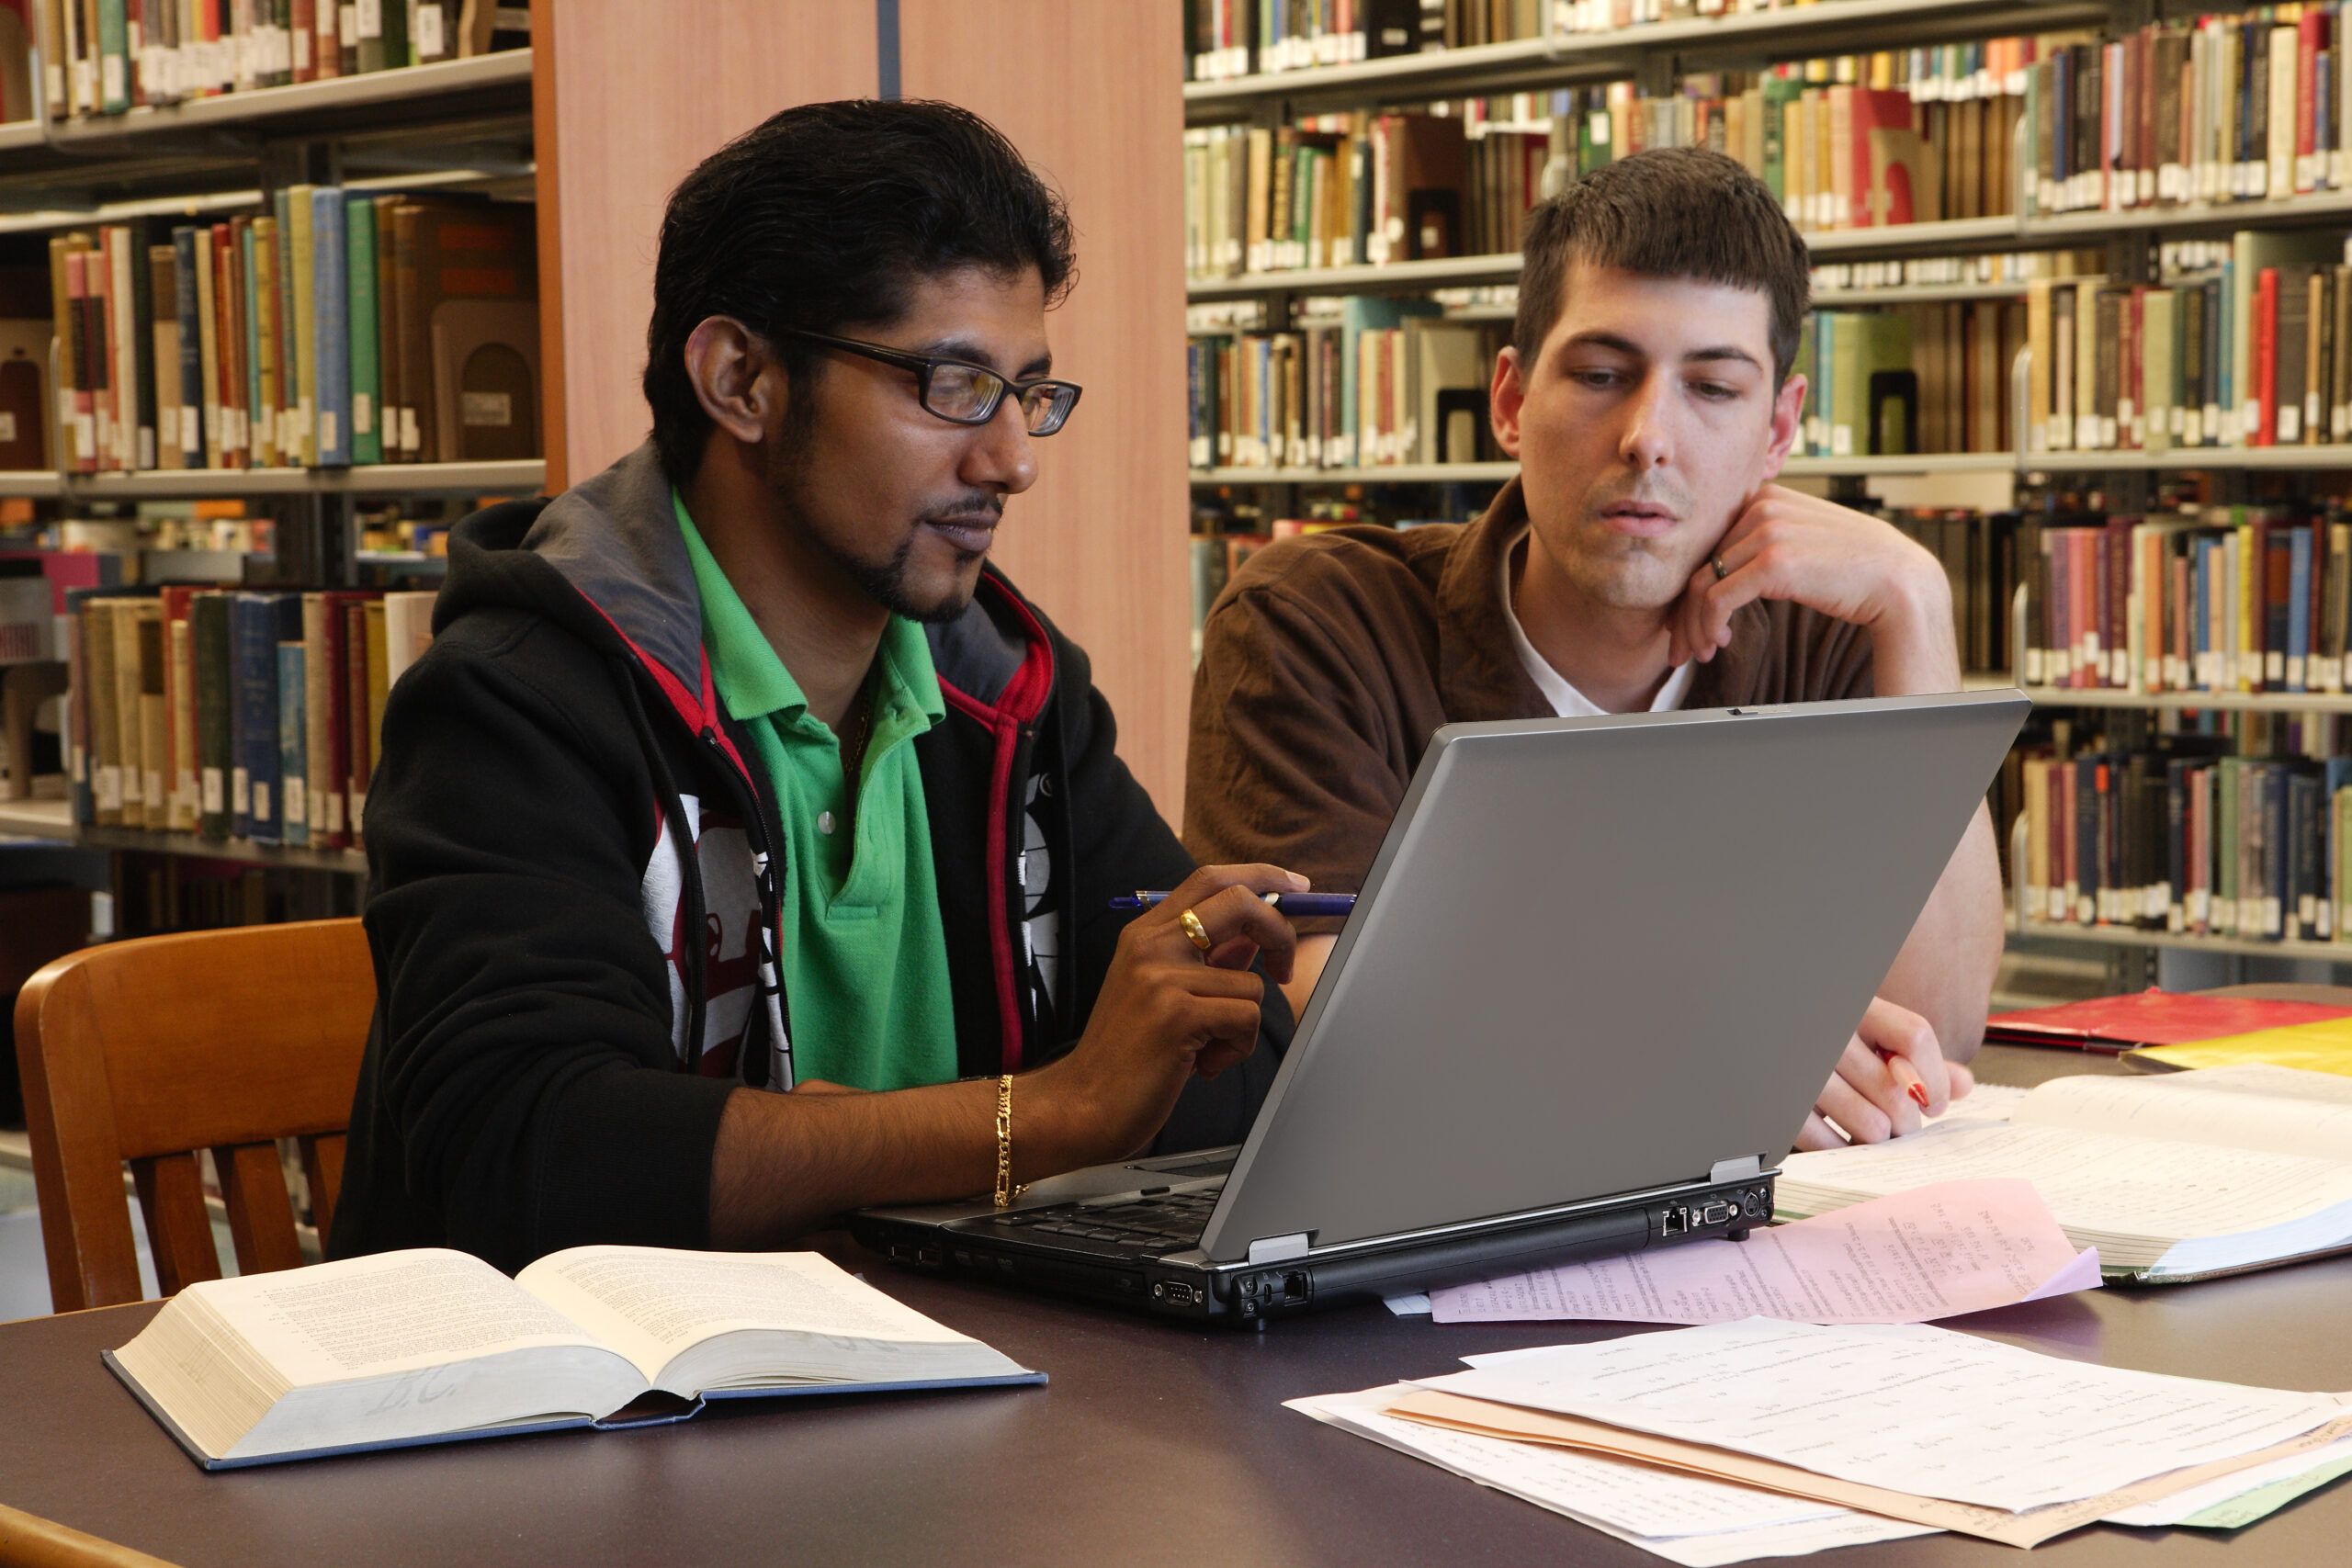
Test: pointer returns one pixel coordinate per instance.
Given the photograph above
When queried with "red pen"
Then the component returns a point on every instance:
(1903, 1074)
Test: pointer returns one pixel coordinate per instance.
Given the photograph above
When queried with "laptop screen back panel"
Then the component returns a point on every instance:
(1600, 955)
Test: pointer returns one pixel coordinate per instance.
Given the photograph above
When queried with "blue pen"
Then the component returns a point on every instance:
(1300, 904)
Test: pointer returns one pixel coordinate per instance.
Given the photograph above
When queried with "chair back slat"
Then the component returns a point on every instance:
(143, 1052)
(322, 1167)
(179, 1232)
(261, 1217)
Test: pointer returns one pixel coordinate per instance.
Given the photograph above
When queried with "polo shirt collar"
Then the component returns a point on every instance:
(753, 680)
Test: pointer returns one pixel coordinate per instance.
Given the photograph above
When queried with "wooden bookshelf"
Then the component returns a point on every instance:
(2191, 702)
(520, 478)
(52, 819)
(445, 90)
(2131, 936)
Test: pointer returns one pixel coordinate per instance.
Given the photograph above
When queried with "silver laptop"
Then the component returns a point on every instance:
(1598, 974)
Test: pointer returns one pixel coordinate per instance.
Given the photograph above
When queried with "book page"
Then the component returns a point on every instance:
(395, 1312)
(2256, 1106)
(651, 1302)
(2098, 1184)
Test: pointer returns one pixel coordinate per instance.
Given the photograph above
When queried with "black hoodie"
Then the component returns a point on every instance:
(573, 906)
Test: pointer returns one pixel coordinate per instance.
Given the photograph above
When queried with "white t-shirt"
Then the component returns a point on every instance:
(1566, 700)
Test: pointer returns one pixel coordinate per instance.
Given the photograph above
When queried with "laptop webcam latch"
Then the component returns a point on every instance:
(1736, 1169)
(1278, 1248)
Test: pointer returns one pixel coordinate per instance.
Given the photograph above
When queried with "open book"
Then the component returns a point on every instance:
(429, 1346)
(2173, 1177)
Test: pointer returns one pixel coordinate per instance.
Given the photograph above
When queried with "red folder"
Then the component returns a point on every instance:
(2152, 1018)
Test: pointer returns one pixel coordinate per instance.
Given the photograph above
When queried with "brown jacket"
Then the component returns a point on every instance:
(1328, 661)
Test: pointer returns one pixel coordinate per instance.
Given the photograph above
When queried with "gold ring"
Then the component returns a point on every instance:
(1195, 932)
(1721, 571)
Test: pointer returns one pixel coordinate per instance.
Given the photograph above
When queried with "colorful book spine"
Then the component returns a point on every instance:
(330, 326)
(360, 312)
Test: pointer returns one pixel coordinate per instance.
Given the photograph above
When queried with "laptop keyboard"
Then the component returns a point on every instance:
(1162, 1221)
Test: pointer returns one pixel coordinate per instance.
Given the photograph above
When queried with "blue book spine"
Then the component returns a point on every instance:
(191, 431)
(293, 754)
(2298, 608)
(262, 621)
(330, 326)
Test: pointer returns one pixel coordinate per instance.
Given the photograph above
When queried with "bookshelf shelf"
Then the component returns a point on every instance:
(1838, 27)
(522, 478)
(20, 135)
(1391, 277)
(2129, 936)
(2191, 702)
(499, 182)
(1942, 237)
(2079, 228)
(52, 819)
(1914, 294)
(445, 89)
(1394, 474)
(2290, 460)
(1923, 463)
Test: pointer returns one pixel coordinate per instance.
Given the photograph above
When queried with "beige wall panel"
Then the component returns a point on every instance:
(1091, 92)
(644, 90)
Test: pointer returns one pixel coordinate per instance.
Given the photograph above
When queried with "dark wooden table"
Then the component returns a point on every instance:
(1153, 1445)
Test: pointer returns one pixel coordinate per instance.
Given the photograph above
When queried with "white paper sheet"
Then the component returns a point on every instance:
(1937, 1251)
(1685, 1519)
(1912, 1407)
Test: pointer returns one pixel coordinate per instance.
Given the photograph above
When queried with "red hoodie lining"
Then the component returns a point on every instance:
(1023, 699)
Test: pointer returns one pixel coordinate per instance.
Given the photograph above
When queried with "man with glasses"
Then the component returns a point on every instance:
(743, 850)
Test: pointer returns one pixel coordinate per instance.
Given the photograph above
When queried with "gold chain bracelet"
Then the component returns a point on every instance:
(1005, 1189)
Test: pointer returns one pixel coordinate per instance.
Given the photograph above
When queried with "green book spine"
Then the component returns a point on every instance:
(359, 267)
(114, 57)
(209, 615)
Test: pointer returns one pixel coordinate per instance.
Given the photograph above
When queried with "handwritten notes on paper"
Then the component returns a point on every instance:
(1957, 1246)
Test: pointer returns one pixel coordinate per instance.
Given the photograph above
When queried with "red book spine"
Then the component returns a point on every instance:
(2265, 358)
(2310, 39)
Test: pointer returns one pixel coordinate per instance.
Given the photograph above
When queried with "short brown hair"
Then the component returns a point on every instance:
(1671, 212)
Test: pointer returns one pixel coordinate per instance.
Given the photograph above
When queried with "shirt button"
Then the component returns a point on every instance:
(824, 822)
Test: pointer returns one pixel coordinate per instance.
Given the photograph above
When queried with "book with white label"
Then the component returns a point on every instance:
(429, 1346)
(2173, 1177)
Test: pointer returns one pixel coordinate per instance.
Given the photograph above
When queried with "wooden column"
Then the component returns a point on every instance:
(1093, 95)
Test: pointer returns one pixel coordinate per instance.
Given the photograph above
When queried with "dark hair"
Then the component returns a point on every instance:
(824, 216)
(1671, 212)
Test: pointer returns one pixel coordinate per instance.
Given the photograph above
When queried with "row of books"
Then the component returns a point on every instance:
(1393, 383)
(2180, 839)
(234, 713)
(1844, 143)
(2221, 599)
(112, 56)
(2249, 352)
(1979, 552)
(332, 328)
(2250, 105)
(1913, 378)
(1227, 39)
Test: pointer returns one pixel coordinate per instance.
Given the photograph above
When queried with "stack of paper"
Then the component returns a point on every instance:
(1887, 1427)
(2173, 1176)
(1939, 1251)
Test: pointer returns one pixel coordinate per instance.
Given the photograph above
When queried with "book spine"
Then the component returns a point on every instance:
(330, 311)
(293, 745)
(359, 267)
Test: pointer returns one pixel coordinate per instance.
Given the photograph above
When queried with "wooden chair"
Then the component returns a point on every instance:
(148, 1050)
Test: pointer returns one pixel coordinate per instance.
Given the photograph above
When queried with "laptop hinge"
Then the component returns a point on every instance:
(1735, 1169)
(1278, 1248)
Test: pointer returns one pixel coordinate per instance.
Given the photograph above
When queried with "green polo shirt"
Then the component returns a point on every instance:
(864, 958)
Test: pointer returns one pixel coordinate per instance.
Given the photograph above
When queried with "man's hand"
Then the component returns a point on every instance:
(1828, 558)
(1169, 1010)
(1869, 1097)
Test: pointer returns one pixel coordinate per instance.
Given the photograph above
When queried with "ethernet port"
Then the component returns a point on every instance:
(1675, 1221)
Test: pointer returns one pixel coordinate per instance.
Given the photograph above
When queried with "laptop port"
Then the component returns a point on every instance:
(1716, 1214)
(1295, 1286)
(1675, 1221)
(1174, 1292)
(1754, 1206)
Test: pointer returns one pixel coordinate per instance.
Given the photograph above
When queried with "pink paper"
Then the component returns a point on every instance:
(1939, 1251)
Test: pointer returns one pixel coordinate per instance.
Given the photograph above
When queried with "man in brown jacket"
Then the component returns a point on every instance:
(1642, 560)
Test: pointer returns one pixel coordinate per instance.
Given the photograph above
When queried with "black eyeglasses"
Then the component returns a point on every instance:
(961, 392)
